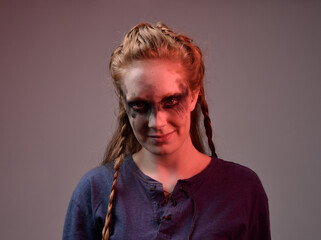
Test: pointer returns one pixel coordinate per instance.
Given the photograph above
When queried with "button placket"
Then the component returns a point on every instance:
(155, 192)
(171, 207)
(174, 202)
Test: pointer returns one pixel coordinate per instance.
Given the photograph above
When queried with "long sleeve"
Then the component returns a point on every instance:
(259, 227)
(79, 225)
(88, 206)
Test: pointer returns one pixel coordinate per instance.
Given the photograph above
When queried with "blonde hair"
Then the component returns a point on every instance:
(143, 42)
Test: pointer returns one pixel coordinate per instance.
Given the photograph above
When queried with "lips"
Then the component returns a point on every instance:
(161, 138)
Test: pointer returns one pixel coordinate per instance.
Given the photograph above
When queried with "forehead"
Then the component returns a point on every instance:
(153, 79)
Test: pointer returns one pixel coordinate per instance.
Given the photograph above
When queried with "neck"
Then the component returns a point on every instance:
(167, 169)
(170, 162)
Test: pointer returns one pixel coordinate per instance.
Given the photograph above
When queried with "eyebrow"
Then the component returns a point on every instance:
(165, 97)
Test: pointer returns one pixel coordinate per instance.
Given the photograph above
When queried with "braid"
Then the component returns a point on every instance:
(207, 122)
(177, 37)
(118, 161)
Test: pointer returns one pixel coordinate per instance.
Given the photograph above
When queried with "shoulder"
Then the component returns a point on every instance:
(100, 173)
(236, 171)
(234, 168)
(93, 185)
(238, 177)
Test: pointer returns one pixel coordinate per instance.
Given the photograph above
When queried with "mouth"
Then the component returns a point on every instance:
(161, 138)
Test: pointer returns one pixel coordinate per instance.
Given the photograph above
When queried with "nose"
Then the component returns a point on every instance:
(157, 119)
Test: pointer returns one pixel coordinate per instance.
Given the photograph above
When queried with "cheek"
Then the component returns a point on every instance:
(178, 116)
(136, 120)
(130, 112)
(139, 123)
(180, 110)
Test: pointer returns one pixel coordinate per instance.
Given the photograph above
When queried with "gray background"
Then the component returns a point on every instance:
(58, 106)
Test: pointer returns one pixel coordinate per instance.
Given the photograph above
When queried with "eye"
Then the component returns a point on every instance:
(170, 102)
(139, 107)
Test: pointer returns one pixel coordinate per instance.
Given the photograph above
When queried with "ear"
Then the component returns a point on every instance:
(194, 99)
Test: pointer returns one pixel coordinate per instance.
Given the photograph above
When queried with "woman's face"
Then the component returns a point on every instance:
(158, 103)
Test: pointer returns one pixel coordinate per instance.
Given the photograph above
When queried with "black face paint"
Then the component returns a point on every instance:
(176, 102)
(128, 108)
(182, 105)
(140, 107)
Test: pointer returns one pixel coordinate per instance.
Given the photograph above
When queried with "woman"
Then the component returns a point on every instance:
(156, 182)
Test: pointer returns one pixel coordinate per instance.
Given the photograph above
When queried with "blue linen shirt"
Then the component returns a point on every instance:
(224, 201)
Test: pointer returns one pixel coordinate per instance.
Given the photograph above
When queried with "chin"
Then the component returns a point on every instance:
(161, 150)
